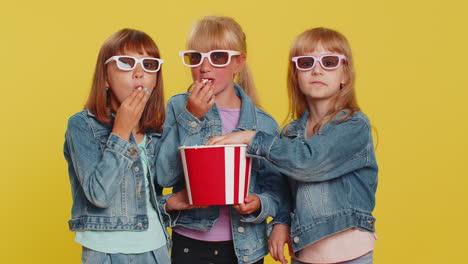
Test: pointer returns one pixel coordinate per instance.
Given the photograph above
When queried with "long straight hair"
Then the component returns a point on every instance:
(345, 98)
(126, 40)
(218, 32)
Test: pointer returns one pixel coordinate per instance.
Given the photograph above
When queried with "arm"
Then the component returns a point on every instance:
(99, 172)
(168, 164)
(341, 149)
(280, 235)
(274, 195)
(180, 127)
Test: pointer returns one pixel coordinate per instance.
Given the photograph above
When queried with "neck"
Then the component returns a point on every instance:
(228, 98)
(138, 135)
(318, 109)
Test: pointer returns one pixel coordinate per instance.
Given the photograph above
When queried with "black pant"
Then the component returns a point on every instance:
(186, 250)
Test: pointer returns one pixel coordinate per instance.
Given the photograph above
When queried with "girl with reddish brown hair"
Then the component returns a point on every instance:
(111, 147)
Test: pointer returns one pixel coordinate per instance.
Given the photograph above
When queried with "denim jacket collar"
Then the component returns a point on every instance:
(298, 126)
(149, 135)
(248, 116)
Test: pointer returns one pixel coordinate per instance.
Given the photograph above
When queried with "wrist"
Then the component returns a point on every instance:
(125, 135)
(167, 206)
(192, 112)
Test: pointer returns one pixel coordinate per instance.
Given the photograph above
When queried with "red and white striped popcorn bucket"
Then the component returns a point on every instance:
(216, 175)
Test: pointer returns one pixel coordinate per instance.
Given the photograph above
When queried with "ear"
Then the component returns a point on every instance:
(240, 62)
(107, 84)
(345, 78)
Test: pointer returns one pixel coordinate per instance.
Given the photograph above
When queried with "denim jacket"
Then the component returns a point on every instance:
(182, 128)
(333, 175)
(107, 178)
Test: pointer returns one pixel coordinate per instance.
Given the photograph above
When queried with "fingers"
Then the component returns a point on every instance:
(196, 87)
(206, 92)
(242, 137)
(237, 207)
(214, 140)
(201, 90)
(142, 104)
(212, 100)
(201, 99)
(280, 253)
(272, 249)
(140, 97)
(291, 252)
(276, 248)
(245, 208)
(129, 100)
(249, 198)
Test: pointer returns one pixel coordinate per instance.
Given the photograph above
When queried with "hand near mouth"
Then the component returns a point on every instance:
(129, 113)
(201, 99)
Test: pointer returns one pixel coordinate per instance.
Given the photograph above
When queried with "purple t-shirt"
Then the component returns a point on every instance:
(221, 230)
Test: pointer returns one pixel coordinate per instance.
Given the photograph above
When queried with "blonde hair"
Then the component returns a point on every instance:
(124, 40)
(217, 32)
(345, 98)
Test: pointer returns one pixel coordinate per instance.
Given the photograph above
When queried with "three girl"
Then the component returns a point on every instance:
(327, 153)
(222, 100)
(115, 150)
(111, 149)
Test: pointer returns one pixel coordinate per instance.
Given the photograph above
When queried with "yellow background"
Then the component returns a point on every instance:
(411, 62)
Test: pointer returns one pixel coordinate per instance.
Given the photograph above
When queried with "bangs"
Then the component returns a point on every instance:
(331, 41)
(132, 41)
(208, 35)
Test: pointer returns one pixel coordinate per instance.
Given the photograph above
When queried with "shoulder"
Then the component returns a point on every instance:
(85, 121)
(357, 121)
(178, 98)
(177, 102)
(360, 116)
(79, 119)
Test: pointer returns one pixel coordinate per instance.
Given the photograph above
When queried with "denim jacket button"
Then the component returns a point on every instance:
(245, 258)
(136, 169)
(132, 152)
(139, 197)
(139, 224)
(193, 124)
(240, 229)
(296, 240)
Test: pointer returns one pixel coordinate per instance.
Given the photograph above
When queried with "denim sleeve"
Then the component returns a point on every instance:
(283, 214)
(169, 218)
(343, 148)
(179, 123)
(273, 194)
(99, 171)
(187, 121)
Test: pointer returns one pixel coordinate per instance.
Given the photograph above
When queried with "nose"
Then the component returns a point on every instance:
(206, 65)
(317, 69)
(138, 72)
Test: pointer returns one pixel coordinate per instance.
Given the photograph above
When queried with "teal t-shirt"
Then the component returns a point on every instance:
(128, 242)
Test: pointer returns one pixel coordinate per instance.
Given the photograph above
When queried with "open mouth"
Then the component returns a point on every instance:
(208, 80)
(139, 87)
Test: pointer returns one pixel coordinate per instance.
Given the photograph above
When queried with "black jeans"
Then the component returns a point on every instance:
(186, 250)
